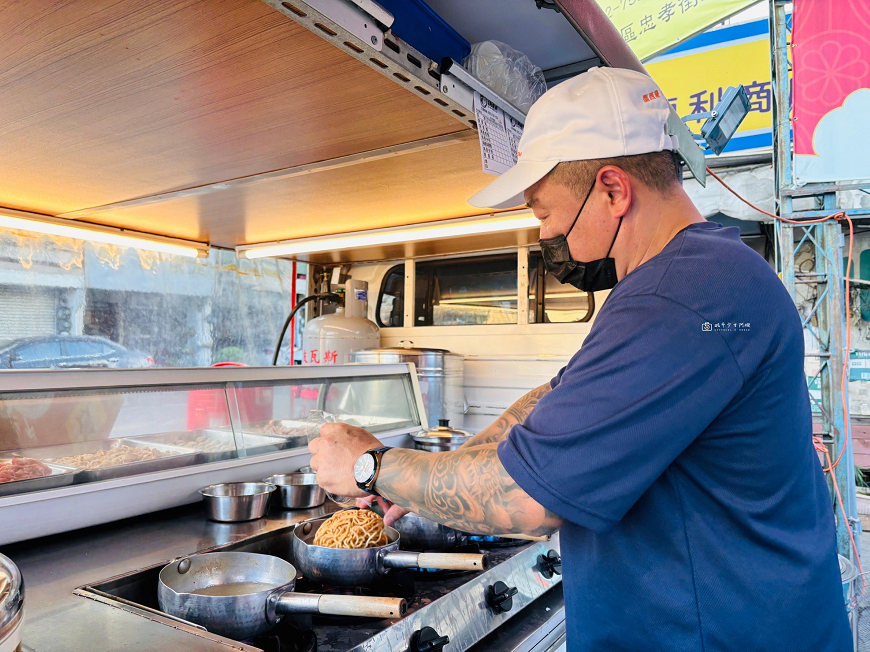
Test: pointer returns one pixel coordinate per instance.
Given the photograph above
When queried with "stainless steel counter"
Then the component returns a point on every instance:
(58, 619)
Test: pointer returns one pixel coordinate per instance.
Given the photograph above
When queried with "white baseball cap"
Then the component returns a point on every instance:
(601, 113)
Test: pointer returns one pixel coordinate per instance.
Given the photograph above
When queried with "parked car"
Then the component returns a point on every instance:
(70, 352)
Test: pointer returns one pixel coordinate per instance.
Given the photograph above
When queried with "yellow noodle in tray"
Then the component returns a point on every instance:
(353, 528)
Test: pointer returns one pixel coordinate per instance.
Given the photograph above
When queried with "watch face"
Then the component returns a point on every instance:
(364, 468)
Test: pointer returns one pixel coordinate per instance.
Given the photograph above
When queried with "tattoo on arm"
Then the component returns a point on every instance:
(515, 414)
(467, 489)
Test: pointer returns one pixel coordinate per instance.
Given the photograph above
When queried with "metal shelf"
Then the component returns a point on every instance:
(366, 39)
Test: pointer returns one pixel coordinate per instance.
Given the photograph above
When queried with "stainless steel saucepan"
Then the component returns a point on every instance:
(241, 595)
(357, 567)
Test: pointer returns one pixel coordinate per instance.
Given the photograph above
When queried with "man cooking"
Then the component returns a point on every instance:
(674, 450)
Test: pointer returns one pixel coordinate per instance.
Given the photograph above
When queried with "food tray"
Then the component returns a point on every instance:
(61, 476)
(375, 424)
(254, 444)
(180, 457)
(262, 428)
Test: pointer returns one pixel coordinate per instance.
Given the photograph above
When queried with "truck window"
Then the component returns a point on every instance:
(180, 312)
(470, 291)
(483, 290)
(559, 303)
(391, 303)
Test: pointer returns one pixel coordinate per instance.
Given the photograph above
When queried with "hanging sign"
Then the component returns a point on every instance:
(650, 27)
(694, 76)
(831, 96)
(499, 136)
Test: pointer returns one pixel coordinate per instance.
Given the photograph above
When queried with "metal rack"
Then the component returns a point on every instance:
(826, 241)
(367, 39)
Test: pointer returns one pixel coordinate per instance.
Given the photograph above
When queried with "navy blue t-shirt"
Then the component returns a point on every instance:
(676, 444)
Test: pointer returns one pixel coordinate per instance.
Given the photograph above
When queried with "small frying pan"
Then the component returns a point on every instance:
(358, 567)
(241, 595)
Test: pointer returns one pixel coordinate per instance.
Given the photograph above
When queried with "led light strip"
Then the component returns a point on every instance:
(22, 221)
(493, 223)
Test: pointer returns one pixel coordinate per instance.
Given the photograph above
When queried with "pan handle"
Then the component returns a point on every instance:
(359, 605)
(460, 561)
(525, 537)
(283, 603)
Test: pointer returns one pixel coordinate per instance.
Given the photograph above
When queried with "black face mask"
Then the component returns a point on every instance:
(589, 277)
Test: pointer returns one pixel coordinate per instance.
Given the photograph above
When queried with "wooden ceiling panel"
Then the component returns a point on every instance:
(109, 100)
(408, 189)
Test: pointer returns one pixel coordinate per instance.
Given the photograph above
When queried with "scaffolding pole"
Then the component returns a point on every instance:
(820, 278)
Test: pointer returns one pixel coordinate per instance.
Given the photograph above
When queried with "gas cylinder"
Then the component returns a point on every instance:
(331, 339)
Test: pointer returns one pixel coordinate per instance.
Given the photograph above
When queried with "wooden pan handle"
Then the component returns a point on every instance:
(361, 605)
(453, 561)
(525, 537)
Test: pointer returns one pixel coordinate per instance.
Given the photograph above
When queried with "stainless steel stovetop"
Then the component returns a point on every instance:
(456, 609)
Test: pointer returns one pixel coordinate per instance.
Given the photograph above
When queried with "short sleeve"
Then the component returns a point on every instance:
(646, 383)
(558, 378)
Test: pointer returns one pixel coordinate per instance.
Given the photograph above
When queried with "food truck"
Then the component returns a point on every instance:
(342, 136)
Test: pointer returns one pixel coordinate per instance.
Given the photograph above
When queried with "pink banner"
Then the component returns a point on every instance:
(831, 54)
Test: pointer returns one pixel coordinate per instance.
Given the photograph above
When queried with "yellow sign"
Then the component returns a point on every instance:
(654, 26)
(694, 76)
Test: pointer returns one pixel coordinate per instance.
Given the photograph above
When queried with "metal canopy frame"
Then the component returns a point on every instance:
(345, 26)
(825, 240)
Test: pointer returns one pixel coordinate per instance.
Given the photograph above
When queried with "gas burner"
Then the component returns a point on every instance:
(435, 575)
(292, 634)
(395, 584)
(490, 542)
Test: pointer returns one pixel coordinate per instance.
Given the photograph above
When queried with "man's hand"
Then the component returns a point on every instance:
(392, 513)
(334, 453)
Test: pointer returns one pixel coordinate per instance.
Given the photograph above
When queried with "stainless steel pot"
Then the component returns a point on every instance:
(297, 490)
(440, 439)
(11, 604)
(358, 567)
(439, 372)
(236, 501)
(241, 595)
(420, 533)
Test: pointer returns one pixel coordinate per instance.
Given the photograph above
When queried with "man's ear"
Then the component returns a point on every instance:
(617, 184)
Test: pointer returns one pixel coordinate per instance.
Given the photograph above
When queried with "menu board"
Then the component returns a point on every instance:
(499, 136)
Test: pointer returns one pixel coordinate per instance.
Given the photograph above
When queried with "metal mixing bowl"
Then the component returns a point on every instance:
(297, 490)
(236, 501)
(11, 605)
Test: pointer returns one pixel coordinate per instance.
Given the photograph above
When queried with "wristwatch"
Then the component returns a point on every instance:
(367, 467)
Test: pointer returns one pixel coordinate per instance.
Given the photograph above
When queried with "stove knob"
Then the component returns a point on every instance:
(500, 597)
(427, 640)
(550, 564)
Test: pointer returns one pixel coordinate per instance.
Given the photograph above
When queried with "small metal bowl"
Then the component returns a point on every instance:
(297, 490)
(236, 501)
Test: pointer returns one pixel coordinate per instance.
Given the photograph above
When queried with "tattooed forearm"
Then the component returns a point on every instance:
(467, 489)
(515, 414)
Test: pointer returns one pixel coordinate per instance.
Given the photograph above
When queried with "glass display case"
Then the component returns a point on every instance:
(92, 435)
